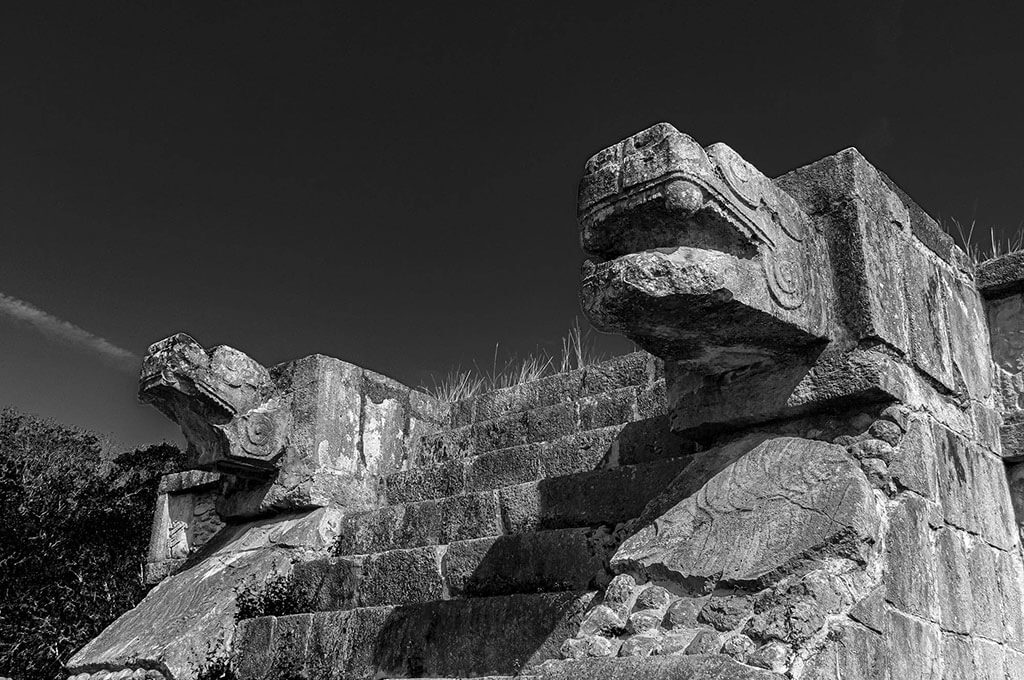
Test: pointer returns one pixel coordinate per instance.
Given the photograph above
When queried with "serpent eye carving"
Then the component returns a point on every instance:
(259, 435)
(786, 281)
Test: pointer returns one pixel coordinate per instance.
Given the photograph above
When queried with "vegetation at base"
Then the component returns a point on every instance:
(277, 596)
(74, 529)
(577, 351)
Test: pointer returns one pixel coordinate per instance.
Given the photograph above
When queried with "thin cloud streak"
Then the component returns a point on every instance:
(68, 333)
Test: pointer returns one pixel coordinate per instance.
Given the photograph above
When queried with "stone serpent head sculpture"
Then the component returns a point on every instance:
(696, 255)
(226, 403)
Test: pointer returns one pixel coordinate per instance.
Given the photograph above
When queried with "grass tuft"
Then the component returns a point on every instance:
(577, 351)
(995, 247)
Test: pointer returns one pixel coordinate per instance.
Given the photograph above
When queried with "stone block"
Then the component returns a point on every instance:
(507, 401)
(927, 291)
(988, 660)
(253, 650)
(454, 444)
(629, 370)
(992, 509)
(750, 513)
(326, 395)
(559, 389)
(957, 657)
(418, 429)
(584, 499)
(503, 468)
(429, 409)
(1011, 588)
(986, 599)
(969, 344)
(1001, 276)
(400, 577)
(550, 422)
(327, 584)
(955, 477)
(546, 561)
(953, 581)
(608, 408)
(462, 412)
(910, 563)
(652, 401)
(477, 636)
(913, 648)
(385, 423)
(424, 483)
(913, 462)
(501, 433)
(674, 667)
(578, 452)
(291, 641)
(410, 525)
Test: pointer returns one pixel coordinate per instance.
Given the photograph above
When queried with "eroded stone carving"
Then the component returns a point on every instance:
(697, 255)
(226, 403)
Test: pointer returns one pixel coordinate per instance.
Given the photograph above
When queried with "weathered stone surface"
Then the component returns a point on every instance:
(645, 643)
(602, 496)
(683, 613)
(911, 574)
(699, 667)
(433, 522)
(953, 583)
(785, 502)
(546, 561)
(173, 624)
(479, 636)
(852, 653)
(1001, 276)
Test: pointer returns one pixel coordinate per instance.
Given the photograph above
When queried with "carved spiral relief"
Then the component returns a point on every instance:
(786, 281)
(260, 435)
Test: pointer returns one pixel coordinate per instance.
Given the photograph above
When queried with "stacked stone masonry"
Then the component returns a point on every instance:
(812, 471)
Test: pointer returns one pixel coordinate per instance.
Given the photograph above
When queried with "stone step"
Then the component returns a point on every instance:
(621, 444)
(544, 561)
(637, 369)
(578, 500)
(485, 636)
(669, 667)
(604, 409)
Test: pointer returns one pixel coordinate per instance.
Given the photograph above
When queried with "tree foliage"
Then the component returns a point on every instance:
(74, 528)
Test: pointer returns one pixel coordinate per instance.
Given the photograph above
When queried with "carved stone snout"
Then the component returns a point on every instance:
(695, 254)
(224, 401)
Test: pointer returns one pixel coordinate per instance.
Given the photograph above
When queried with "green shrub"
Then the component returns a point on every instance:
(74, 528)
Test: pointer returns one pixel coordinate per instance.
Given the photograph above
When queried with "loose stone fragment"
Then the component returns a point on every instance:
(589, 646)
(620, 590)
(738, 647)
(645, 644)
(774, 656)
(705, 642)
(676, 641)
(653, 597)
(643, 620)
(683, 612)
(887, 431)
(897, 414)
(872, 448)
(725, 613)
(602, 620)
(877, 472)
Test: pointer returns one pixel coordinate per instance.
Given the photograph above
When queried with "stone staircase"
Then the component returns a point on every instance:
(492, 541)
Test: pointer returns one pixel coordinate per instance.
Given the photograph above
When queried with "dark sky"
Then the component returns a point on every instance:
(394, 184)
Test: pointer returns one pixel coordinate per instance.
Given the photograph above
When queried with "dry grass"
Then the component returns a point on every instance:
(975, 250)
(577, 351)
